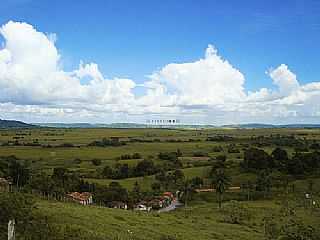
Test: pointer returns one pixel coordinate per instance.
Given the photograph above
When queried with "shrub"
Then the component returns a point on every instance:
(77, 161)
(235, 213)
(200, 154)
(96, 162)
(217, 149)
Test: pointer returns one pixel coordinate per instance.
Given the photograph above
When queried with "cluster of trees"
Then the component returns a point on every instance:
(145, 167)
(130, 156)
(114, 192)
(36, 143)
(220, 138)
(278, 140)
(301, 163)
(172, 160)
(105, 142)
(168, 180)
(232, 148)
(14, 169)
(120, 171)
(60, 182)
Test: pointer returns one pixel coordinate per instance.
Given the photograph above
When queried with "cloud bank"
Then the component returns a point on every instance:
(34, 86)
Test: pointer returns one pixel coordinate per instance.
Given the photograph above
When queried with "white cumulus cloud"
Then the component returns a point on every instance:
(34, 86)
(208, 81)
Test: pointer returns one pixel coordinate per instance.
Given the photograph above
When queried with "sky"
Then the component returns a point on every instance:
(205, 62)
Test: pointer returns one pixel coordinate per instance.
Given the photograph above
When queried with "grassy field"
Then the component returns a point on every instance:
(199, 221)
(43, 158)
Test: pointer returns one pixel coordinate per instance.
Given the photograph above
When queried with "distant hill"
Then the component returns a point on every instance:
(260, 125)
(176, 126)
(119, 125)
(249, 125)
(91, 125)
(14, 124)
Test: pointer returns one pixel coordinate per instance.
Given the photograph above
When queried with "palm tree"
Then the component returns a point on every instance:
(221, 182)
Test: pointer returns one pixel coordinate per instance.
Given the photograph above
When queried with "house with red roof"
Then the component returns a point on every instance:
(84, 198)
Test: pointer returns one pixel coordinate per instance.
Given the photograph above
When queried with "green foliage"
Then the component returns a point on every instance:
(256, 159)
(106, 195)
(235, 212)
(304, 163)
(264, 182)
(221, 181)
(15, 206)
(96, 162)
(131, 156)
(15, 169)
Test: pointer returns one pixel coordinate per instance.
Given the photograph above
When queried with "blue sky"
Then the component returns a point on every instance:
(133, 39)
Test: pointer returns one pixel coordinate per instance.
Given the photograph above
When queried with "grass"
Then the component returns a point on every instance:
(201, 222)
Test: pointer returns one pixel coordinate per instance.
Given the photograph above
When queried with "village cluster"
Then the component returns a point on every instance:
(156, 203)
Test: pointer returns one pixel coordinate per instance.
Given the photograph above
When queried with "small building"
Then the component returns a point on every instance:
(142, 206)
(5, 185)
(156, 204)
(84, 198)
(118, 205)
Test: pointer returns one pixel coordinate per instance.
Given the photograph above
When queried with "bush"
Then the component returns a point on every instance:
(217, 149)
(200, 154)
(96, 162)
(77, 161)
(235, 213)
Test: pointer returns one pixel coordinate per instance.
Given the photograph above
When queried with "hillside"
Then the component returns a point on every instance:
(199, 222)
(14, 124)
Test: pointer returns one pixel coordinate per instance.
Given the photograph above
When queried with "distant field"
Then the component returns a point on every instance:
(152, 141)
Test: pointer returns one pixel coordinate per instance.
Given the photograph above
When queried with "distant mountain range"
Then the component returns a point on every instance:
(91, 125)
(260, 125)
(19, 124)
(189, 126)
(14, 124)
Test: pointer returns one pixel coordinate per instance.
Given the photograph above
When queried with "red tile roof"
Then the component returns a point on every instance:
(80, 196)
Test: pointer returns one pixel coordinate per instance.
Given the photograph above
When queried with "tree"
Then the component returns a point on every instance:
(156, 187)
(136, 192)
(178, 176)
(145, 167)
(264, 183)
(107, 172)
(179, 153)
(18, 172)
(16, 207)
(60, 176)
(136, 156)
(96, 162)
(114, 192)
(256, 159)
(248, 187)
(42, 182)
(221, 182)
(221, 158)
(280, 157)
(196, 182)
